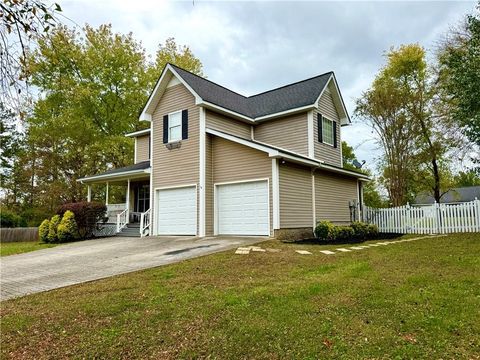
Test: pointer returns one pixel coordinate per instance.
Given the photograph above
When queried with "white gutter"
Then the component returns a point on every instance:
(138, 133)
(115, 175)
(360, 177)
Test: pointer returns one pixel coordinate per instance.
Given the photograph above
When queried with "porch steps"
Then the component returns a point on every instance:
(131, 230)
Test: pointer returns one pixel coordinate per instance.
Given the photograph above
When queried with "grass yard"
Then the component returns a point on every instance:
(12, 248)
(419, 299)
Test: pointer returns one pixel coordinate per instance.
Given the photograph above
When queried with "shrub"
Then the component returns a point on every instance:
(344, 233)
(43, 230)
(87, 215)
(9, 219)
(372, 231)
(35, 216)
(325, 230)
(52, 229)
(360, 230)
(67, 229)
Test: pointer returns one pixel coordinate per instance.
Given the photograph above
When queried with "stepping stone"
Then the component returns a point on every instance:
(303, 252)
(356, 248)
(327, 252)
(273, 250)
(259, 250)
(242, 251)
(343, 250)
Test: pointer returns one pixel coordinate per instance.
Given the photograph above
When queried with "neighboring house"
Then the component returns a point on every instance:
(455, 195)
(216, 162)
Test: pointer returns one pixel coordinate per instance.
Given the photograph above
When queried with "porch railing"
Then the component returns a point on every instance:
(145, 223)
(113, 210)
(122, 220)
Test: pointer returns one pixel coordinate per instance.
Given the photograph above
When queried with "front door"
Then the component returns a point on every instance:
(142, 199)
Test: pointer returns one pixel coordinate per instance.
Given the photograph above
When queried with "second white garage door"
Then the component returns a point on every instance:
(177, 211)
(243, 209)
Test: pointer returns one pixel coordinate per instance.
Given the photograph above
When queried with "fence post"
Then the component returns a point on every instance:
(438, 220)
(409, 219)
(477, 215)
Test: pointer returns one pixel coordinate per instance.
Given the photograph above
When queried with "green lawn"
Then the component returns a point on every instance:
(419, 299)
(22, 247)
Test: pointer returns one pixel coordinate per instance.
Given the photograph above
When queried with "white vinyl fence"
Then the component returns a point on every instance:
(426, 219)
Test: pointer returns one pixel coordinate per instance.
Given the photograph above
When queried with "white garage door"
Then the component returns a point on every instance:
(242, 208)
(177, 211)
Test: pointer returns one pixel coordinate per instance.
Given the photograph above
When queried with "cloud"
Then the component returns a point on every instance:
(255, 46)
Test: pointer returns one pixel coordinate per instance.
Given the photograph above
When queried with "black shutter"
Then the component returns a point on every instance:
(334, 134)
(184, 124)
(319, 125)
(165, 129)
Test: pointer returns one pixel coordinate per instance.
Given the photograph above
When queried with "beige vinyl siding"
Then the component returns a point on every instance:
(142, 151)
(178, 166)
(295, 196)
(208, 185)
(235, 162)
(289, 133)
(332, 195)
(226, 124)
(325, 152)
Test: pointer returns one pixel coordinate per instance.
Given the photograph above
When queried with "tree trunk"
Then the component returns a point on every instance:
(436, 178)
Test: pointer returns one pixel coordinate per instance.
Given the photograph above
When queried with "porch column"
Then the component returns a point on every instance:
(106, 195)
(128, 196)
(89, 193)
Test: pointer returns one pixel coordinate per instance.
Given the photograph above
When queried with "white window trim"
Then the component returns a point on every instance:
(181, 126)
(310, 135)
(323, 132)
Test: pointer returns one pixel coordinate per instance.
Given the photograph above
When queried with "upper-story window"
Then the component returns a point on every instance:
(328, 132)
(175, 126)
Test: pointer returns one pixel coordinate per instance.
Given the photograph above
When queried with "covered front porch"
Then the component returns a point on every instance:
(126, 193)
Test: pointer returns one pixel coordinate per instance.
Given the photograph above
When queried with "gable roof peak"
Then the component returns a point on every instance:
(302, 94)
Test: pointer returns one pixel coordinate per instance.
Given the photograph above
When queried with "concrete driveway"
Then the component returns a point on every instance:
(83, 261)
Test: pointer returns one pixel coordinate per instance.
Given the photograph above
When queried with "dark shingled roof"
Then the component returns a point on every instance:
(302, 93)
(460, 194)
(138, 166)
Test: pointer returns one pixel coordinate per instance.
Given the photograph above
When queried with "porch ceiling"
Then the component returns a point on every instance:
(139, 171)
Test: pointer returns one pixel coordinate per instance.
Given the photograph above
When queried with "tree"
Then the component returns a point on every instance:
(181, 56)
(418, 137)
(382, 107)
(21, 23)
(466, 178)
(12, 146)
(459, 75)
(438, 134)
(348, 157)
(371, 195)
(92, 89)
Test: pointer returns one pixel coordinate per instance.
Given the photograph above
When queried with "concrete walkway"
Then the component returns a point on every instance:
(83, 261)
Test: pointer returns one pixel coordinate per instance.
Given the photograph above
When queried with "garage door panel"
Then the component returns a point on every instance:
(177, 211)
(242, 209)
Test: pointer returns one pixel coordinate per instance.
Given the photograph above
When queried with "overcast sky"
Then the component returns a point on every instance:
(251, 47)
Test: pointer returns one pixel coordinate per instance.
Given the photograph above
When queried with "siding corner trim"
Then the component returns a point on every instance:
(276, 194)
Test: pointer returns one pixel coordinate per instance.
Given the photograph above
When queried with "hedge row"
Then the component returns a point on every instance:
(87, 216)
(8, 219)
(59, 230)
(326, 231)
(74, 221)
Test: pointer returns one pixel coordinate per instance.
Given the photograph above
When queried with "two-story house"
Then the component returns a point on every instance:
(215, 162)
